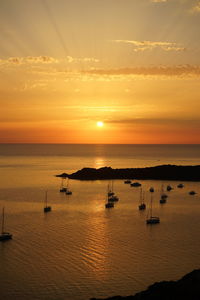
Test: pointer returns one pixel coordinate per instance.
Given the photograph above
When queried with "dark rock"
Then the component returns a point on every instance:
(186, 288)
(63, 175)
(163, 172)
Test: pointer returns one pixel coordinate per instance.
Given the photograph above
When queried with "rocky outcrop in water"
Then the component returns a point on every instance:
(187, 288)
(163, 172)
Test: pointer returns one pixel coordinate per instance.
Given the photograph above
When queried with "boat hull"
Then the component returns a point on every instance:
(142, 206)
(153, 220)
(5, 236)
(109, 205)
(47, 209)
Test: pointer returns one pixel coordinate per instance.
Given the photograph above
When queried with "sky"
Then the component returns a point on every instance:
(133, 65)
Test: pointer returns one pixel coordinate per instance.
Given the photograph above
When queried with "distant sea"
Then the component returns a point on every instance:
(81, 250)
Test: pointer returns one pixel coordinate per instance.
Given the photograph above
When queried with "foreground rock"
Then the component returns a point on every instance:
(187, 288)
(164, 172)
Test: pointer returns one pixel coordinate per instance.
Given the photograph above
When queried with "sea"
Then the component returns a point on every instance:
(80, 249)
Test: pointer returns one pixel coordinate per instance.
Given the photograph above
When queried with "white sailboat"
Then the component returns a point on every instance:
(152, 220)
(47, 208)
(4, 235)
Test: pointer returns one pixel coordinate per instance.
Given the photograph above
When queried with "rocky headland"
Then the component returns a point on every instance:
(163, 172)
(186, 288)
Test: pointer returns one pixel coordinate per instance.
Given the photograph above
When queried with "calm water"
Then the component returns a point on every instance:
(80, 250)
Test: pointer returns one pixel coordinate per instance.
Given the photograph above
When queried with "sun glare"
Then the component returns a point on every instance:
(100, 124)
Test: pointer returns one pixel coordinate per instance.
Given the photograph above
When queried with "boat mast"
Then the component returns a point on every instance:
(162, 189)
(61, 186)
(140, 195)
(109, 190)
(46, 198)
(151, 206)
(2, 229)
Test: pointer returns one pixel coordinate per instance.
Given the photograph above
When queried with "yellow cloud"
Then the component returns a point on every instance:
(71, 59)
(196, 8)
(29, 60)
(179, 71)
(157, 1)
(150, 45)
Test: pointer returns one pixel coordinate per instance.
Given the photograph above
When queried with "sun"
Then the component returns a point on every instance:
(100, 124)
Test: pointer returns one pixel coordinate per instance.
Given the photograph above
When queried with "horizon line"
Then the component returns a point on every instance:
(168, 144)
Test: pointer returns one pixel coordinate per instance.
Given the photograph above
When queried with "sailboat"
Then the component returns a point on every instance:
(151, 219)
(63, 189)
(68, 192)
(109, 204)
(141, 205)
(46, 207)
(110, 190)
(111, 195)
(163, 196)
(4, 235)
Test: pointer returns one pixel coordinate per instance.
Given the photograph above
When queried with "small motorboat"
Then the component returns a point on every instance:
(180, 185)
(127, 181)
(135, 184)
(192, 193)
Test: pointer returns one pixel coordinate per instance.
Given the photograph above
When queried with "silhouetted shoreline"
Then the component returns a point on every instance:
(186, 288)
(162, 172)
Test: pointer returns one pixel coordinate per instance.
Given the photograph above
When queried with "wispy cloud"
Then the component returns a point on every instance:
(158, 1)
(179, 71)
(196, 8)
(150, 45)
(29, 60)
(155, 121)
(46, 60)
(71, 59)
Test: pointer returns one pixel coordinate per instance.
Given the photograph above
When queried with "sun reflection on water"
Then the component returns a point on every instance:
(99, 162)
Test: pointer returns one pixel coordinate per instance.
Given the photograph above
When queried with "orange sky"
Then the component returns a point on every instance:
(132, 64)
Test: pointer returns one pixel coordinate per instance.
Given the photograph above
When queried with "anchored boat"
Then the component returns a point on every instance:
(4, 235)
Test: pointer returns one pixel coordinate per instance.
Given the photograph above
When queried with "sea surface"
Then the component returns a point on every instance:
(80, 249)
